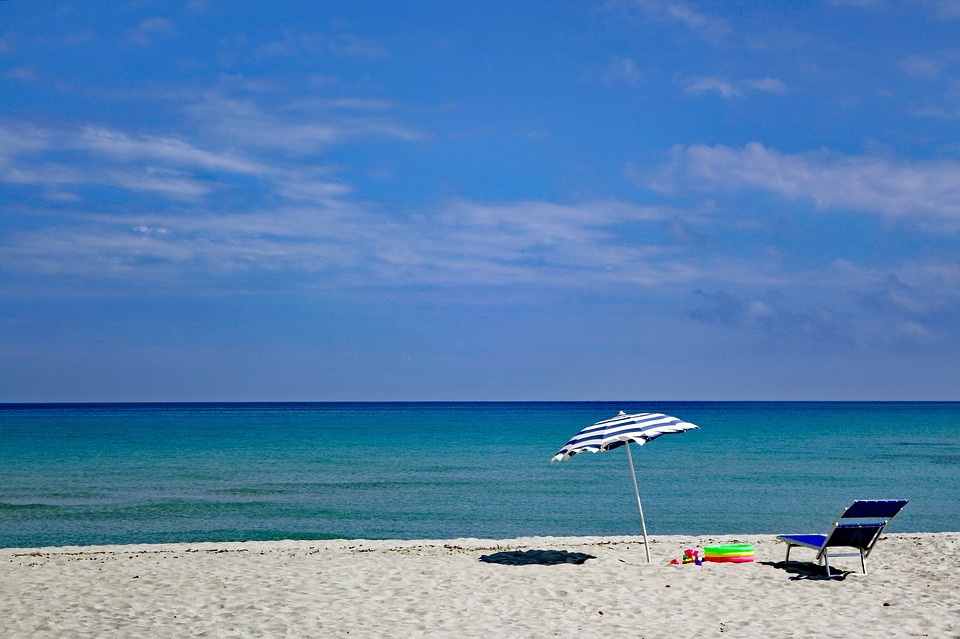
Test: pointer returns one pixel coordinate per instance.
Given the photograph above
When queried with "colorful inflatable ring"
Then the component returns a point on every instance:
(711, 550)
(728, 560)
(729, 553)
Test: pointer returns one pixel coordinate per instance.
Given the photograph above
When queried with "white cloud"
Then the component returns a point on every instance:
(321, 240)
(622, 71)
(166, 149)
(911, 303)
(257, 148)
(353, 46)
(766, 85)
(938, 112)
(925, 190)
(344, 45)
(921, 67)
(700, 85)
(17, 138)
(299, 127)
(167, 183)
(145, 32)
(163, 166)
(711, 28)
(312, 189)
(857, 3)
(460, 243)
(27, 74)
(944, 8)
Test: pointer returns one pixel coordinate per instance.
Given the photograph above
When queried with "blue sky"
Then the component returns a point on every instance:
(636, 199)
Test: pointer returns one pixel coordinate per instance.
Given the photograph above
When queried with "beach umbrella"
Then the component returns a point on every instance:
(620, 431)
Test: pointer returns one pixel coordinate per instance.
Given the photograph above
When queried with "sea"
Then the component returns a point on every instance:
(84, 474)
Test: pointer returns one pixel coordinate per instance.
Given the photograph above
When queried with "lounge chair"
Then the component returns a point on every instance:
(859, 527)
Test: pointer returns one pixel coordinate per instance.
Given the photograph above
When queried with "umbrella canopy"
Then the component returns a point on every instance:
(618, 431)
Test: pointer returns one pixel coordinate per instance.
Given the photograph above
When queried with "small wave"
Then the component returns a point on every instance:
(8, 507)
(243, 492)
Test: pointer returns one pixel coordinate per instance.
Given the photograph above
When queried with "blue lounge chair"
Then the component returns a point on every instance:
(859, 527)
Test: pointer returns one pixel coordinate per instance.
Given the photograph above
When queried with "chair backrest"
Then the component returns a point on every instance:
(860, 525)
(885, 509)
(855, 535)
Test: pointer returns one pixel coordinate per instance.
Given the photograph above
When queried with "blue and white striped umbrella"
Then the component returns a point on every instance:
(619, 431)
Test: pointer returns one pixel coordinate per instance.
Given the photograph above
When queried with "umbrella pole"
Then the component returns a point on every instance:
(636, 491)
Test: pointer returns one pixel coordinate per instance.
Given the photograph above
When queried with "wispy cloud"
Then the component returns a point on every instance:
(773, 315)
(297, 127)
(921, 67)
(459, 243)
(165, 149)
(700, 85)
(243, 143)
(472, 245)
(939, 95)
(145, 33)
(164, 166)
(622, 71)
(944, 8)
(344, 45)
(856, 3)
(27, 73)
(766, 85)
(909, 303)
(710, 27)
(926, 190)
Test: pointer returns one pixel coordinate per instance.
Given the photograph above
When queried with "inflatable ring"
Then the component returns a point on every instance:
(729, 560)
(725, 548)
(729, 553)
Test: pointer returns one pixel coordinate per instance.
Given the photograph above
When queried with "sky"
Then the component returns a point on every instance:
(210, 200)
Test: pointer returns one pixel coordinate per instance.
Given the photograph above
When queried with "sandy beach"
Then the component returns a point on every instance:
(528, 587)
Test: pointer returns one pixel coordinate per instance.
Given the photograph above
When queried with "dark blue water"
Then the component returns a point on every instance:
(132, 473)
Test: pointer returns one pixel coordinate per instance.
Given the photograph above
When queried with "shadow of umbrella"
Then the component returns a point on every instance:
(538, 557)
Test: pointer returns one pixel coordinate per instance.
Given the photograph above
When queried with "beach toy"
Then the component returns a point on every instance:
(736, 550)
(690, 556)
(728, 560)
(674, 562)
(729, 553)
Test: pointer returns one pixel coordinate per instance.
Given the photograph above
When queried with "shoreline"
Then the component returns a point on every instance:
(521, 587)
(479, 543)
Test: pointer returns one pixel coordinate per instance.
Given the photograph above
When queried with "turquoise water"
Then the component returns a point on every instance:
(132, 473)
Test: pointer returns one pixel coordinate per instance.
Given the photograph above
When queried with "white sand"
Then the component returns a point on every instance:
(443, 589)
